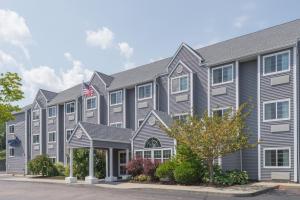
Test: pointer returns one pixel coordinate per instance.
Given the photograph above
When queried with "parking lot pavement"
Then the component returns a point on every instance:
(11, 190)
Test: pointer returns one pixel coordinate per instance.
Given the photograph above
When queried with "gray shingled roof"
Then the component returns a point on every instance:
(23, 109)
(67, 95)
(106, 78)
(48, 94)
(107, 133)
(167, 119)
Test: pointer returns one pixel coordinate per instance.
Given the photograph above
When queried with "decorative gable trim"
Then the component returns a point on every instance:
(75, 129)
(180, 63)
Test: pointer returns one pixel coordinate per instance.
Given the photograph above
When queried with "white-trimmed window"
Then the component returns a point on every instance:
(180, 84)
(145, 91)
(52, 136)
(221, 111)
(11, 152)
(222, 75)
(277, 110)
(276, 63)
(68, 134)
(277, 157)
(11, 129)
(35, 139)
(52, 159)
(52, 111)
(70, 107)
(181, 117)
(116, 124)
(116, 98)
(140, 121)
(91, 103)
(156, 155)
(35, 115)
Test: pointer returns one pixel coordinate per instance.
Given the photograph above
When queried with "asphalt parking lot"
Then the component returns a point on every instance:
(11, 190)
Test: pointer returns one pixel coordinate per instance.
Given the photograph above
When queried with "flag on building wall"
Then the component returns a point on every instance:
(87, 90)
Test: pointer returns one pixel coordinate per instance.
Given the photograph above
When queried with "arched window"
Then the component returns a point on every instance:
(152, 143)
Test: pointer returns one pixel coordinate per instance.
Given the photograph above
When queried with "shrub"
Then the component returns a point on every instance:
(99, 164)
(135, 167)
(142, 178)
(42, 165)
(150, 168)
(232, 177)
(185, 154)
(166, 170)
(187, 173)
(60, 168)
(67, 171)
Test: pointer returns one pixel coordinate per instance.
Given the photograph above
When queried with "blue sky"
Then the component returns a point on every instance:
(55, 44)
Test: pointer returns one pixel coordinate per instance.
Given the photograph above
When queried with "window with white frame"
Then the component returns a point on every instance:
(11, 152)
(181, 117)
(222, 75)
(68, 134)
(91, 103)
(36, 139)
(116, 98)
(152, 143)
(180, 84)
(145, 91)
(52, 136)
(116, 124)
(139, 154)
(277, 157)
(277, 110)
(220, 112)
(140, 122)
(156, 155)
(11, 129)
(52, 159)
(52, 111)
(275, 63)
(70, 107)
(35, 115)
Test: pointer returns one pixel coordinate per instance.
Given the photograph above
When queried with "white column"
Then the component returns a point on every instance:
(91, 162)
(127, 158)
(106, 163)
(71, 179)
(111, 163)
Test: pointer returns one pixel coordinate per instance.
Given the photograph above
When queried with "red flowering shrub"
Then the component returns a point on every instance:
(135, 167)
(150, 168)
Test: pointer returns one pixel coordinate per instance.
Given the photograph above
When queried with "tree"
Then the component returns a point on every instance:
(211, 137)
(10, 91)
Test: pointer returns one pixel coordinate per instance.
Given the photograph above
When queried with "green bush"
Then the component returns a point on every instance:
(166, 170)
(231, 177)
(142, 178)
(188, 173)
(42, 165)
(60, 168)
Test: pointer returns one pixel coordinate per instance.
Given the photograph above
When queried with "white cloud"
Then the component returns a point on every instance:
(101, 38)
(14, 30)
(125, 50)
(6, 60)
(240, 21)
(129, 65)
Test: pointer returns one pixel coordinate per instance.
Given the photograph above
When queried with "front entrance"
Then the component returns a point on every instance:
(122, 163)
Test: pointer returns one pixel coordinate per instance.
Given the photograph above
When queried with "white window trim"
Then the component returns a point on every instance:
(48, 137)
(69, 129)
(74, 107)
(222, 83)
(275, 54)
(138, 91)
(114, 123)
(49, 112)
(222, 108)
(276, 101)
(179, 77)
(9, 129)
(111, 98)
(152, 152)
(39, 139)
(14, 152)
(51, 157)
(34, 111)
(139, 122)
(94, 97)
(180, 114)
(277, 148)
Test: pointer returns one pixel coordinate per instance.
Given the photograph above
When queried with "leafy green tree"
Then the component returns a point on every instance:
(10, 91)
(211, 137)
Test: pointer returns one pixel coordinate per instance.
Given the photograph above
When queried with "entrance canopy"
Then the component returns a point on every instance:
(100, 136)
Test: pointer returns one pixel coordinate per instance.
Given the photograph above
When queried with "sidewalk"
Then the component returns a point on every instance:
(239, 190)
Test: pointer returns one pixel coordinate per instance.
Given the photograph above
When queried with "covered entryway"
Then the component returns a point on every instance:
(115, 141)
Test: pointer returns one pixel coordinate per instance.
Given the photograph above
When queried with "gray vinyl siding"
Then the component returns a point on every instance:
(298, 115)
(28, 132)
(44, 132)
(281, 139)
(147, 131)
(142, 112)
(40, 98)
(248, 93)
(91, 116)
(130, 107)
(162, 82)
(84, 141)
(16, 164)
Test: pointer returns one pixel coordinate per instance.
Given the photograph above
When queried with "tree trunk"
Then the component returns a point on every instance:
(211, 171)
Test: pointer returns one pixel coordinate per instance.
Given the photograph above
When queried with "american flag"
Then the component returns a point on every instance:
(87, 90)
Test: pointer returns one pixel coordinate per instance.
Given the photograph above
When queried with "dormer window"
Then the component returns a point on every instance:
(35, 115)
(116, 98)
(91, 103)
(70, 107)
(145, 91)
(180, 84)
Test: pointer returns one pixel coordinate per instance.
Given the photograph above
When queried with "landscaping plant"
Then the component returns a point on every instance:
(42, 165)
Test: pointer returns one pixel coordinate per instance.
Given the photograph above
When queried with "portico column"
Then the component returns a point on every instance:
(127, 159)
(111, 163)
(71, 179)
(91, 179)
(106, 164)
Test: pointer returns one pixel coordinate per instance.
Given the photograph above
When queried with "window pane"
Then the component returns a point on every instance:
(122, 158)
(270, 111)
(139, 154)
(167, 154)
(282, 62)
(227, 74)
(113, 98)
(36, 139)
(282, 110)
(175, 85)
(147, 91)
(69, 133)
(11, 129)
(147, 154)
(218, 113)
(270, 158)
(283, 157)
(217, 75)
(119, 97)
(141, 92)
(270, 64)
(183, 83)
(157, 154)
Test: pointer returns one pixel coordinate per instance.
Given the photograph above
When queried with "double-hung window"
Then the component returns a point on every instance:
(11, 129)
(116, 98)
(70, 107)
(35, 115)
(220, 112)
(52, 111)
(116, 124)
(11, 152)
(145, 91)
(181, 117)
(276, 63)
(91, 103)
(51, 137)
(222, 75)
(68, 134)
(36, 139)
(180, 84)
(277, 158)
(277, 110)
